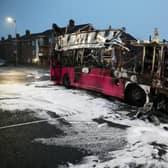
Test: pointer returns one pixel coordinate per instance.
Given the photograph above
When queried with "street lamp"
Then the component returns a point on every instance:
(13, 21)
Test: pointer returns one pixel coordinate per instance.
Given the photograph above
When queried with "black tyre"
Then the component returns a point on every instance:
(135, 95)
(66, 81)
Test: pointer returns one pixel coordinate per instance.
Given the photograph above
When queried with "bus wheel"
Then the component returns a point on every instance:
(135, 95)
(66, 81)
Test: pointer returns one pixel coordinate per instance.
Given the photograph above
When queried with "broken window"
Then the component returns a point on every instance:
(148, 60)
(92, 57)
(79, 57)
(67, 58)
(56, 59)
(107, 58)
(133, 59)
(166, 64)
(156, 59)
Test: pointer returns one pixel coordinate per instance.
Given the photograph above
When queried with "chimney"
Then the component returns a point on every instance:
(2, 38)
(9, 37)
(27, 32)
(17, 35)
(71, 23)
(70, 26)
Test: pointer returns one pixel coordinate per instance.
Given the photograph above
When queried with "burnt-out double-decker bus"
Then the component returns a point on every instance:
(109, 62)
(87, 60)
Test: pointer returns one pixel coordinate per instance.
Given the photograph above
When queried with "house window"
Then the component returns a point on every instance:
(50, 40)
(33, 43)
(41, 41)
(33, 52)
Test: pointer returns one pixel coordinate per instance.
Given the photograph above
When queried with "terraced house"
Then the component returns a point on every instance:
(27, 49)
(35, 48)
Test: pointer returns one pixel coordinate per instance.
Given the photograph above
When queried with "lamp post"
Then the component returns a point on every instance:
(13, 21)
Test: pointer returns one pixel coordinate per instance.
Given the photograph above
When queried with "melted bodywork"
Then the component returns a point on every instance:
(110, 62)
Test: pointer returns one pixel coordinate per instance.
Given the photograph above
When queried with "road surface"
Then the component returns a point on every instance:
(48, 126)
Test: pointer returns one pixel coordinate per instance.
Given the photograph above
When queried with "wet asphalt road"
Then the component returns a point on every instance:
(17, 146)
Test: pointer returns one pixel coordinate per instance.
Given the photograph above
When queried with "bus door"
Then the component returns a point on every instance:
(56, 66)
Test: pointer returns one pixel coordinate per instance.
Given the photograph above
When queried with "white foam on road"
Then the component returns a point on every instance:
(144, 140)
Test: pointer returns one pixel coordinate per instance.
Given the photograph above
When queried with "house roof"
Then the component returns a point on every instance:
(126, 37)
(41, 34)
(63, 30)
(59, 30)
(31, 35)
(47, 32)
(78, 28)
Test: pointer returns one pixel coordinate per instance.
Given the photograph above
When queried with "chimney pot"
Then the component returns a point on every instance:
(27, 32)
(9, 36)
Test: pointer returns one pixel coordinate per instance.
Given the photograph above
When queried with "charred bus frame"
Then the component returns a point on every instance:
(137, 72)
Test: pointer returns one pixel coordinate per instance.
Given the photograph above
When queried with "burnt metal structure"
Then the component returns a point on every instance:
(121, 66)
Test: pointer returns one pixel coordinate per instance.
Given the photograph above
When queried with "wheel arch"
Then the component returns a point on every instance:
(145, 88)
